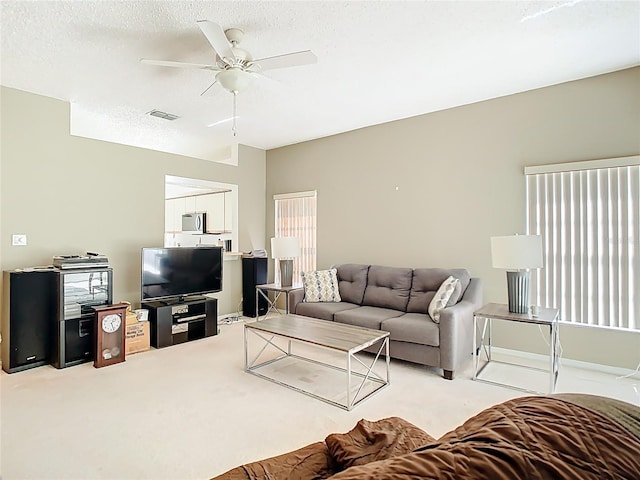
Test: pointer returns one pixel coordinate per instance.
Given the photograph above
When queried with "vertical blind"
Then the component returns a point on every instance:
(588, 215)
(295, 216)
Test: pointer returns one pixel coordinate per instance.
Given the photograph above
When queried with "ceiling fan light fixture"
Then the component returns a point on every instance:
(234, 80)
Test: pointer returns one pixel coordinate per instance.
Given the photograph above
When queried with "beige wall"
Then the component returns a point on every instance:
(458, 173)
(71, 195)
(431, 190)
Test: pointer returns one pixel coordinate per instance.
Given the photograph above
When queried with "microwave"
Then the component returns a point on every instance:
(194, 222)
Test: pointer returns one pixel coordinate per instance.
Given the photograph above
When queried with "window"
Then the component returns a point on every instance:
(588, 215)
(295, 216)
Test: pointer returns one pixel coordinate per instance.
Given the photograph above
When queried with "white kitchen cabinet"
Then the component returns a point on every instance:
(190, 205)
(214, 206)
(218, 207)
(174, 208)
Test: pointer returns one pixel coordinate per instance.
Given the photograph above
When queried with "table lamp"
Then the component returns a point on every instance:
(517, 254)
(284, 249)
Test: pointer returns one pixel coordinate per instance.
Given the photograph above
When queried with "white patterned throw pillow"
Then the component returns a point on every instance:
(321, 286)
(441, 298)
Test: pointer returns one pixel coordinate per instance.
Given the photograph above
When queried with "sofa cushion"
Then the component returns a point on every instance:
(320, 286)
(352, 280)
(426, 282)
(322, 310)
(388, 287)
(413, 328)
(368, 317)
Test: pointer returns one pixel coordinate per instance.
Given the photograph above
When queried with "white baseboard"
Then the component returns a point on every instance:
(618, 371)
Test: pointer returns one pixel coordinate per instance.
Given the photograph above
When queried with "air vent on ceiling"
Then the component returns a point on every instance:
(165, 115)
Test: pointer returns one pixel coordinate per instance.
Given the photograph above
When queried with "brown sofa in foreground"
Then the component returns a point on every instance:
(565, 436)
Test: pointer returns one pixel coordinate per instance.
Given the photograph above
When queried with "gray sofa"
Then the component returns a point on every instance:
(397, 300)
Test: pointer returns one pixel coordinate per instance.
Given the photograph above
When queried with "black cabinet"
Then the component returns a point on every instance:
(183, 321)
(254, 272)
(77, 291)
(28, 307)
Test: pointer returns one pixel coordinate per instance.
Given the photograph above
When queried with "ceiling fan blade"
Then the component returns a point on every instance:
(262, 77)
(217, 38)
(296, 59)
(213, 89)
(167, 63)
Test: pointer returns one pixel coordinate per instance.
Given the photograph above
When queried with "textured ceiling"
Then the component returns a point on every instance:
(377, 62)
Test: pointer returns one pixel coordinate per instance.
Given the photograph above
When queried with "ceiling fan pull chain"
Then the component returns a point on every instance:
(235, 95)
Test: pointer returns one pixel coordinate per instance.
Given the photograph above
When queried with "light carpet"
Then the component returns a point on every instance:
(191, 412)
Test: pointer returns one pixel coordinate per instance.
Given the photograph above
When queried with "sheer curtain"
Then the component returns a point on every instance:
(295, 216)
(588, 214)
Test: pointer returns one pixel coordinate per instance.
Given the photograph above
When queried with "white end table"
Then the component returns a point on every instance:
(547, 317)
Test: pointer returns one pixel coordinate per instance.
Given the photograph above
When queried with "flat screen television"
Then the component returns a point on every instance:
(179, 272)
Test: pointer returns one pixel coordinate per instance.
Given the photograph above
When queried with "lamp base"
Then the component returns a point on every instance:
(518, 288)
(286, 273)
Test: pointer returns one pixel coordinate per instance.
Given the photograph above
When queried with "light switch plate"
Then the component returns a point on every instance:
(18, 240)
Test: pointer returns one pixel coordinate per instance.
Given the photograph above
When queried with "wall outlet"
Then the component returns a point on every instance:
(18, 240)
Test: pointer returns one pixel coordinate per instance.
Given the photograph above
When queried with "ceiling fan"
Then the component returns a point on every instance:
(236, 67)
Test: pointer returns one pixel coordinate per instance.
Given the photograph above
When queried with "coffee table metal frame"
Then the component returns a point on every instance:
(344, 338)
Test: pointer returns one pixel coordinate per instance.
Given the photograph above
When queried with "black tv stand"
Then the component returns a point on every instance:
(176, 321)
(180, 300)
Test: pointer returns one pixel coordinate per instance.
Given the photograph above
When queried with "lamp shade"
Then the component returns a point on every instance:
(516, 252)
(285, 247)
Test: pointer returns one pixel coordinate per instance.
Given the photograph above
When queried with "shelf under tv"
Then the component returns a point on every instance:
(196, 316)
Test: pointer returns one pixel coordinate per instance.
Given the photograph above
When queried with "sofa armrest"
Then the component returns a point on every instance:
(456, 327)
(295, 297)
